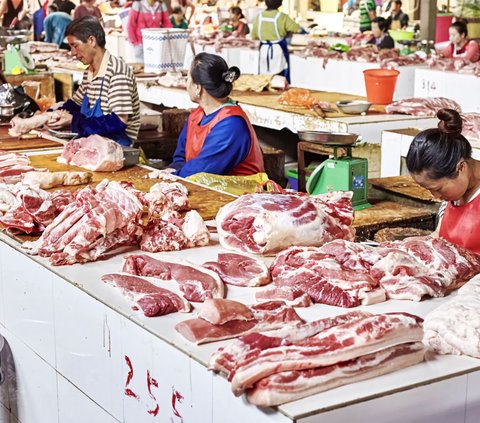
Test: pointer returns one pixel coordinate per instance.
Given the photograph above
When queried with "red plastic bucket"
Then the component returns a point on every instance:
(380, 84)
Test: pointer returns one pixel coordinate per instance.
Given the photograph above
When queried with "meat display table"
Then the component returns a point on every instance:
(9, 143)
(263, 111)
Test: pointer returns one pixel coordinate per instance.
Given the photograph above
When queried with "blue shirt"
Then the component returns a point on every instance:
(226, 146)
(55, 25)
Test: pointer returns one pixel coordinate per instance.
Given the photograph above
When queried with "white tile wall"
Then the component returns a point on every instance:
(473, 398)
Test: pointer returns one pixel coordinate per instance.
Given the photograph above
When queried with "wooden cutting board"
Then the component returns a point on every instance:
(205, 200)
(403, 185)
(9, 143)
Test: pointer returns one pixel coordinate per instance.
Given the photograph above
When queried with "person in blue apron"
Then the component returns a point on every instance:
(106, 103)
(271, 27)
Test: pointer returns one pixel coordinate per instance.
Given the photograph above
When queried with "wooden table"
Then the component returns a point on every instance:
(9, 143)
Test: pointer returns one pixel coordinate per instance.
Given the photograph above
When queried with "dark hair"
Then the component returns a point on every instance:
(461, 26)
(399, 2)
(237, 11)
(212, 73)
(273, 4)
(438, 151)
(53, 8)
(85, 27)
(382, 23)
(177, 10)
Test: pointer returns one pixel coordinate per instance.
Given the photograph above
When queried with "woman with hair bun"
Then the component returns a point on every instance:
(460, 46)
(440, 160)
(218, 138)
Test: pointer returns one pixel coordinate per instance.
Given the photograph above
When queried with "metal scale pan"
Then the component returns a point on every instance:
(330, 138)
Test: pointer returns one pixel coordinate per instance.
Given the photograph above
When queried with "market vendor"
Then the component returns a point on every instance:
(271, 27)
(380, 37)
(218, 137)
(106, 102)
(440, 160)
(460, 46)
(397, 19)
(238, 22)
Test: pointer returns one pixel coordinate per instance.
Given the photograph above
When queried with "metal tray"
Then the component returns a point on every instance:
(131, 156)
(332, 138)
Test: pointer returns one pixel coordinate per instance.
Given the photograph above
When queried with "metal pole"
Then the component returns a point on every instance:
(428, 16)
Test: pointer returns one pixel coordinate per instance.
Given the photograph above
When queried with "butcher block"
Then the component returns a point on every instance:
(9, 143)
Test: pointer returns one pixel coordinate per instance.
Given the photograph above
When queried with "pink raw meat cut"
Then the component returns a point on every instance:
(95, 153)
(422, 106)
(175, 192)
(240, 269)
(196, 282)
(331, 346)
(292, 296)
(267, 316)
(218, 311)
(153, 300)
(283, 387)
(267, 223)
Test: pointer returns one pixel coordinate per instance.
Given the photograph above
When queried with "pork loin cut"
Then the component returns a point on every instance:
(196, 282)
(332, 346)
(153, 300)
(292, 296)
(218, 311)
(289, 386)
(240, 269)
(267, 316)
(95, 153)
(267, 223)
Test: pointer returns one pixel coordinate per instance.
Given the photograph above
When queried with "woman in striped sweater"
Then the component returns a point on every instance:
(145, 14)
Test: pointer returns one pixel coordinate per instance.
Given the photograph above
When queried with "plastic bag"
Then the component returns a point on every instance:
(236, 185)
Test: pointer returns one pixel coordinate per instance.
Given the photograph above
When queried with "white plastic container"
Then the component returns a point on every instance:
(164, 49)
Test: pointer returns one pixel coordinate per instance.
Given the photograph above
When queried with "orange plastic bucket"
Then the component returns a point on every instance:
(380, 84)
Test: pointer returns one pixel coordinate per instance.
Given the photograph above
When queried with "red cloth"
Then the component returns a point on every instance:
(470, 51)
(141, 19)
(460, 225)
(197, 134)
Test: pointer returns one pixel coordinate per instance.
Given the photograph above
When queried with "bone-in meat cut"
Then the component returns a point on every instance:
(152, 299)
(95, 153)
(267, 223)
(240, 269)
(292, 296)
(46, 180)
(196, 282)
(22, 126)
(267, 316)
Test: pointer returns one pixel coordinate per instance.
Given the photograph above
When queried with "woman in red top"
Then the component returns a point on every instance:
(440, 160)
(87, 8)
(460, 46)
(237, 20)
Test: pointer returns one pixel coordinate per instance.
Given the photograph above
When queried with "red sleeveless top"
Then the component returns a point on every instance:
(196, 136)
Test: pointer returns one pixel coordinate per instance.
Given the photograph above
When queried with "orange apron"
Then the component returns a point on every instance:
(460, 225)
(196, 136)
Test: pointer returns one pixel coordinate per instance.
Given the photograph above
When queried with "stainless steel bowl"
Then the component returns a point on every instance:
(353, 107)
(333, 138)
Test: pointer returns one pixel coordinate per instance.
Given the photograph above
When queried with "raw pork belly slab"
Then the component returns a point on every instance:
(294, 297)
(13, 167)
(454, 327)
(95, 153)
(267, 223)
(196, 282)
(422, 106)
(218, 311)
(339, 343)
(336, 274)
(267, 316)
(240, 269)
(153, 300)
(289, 386)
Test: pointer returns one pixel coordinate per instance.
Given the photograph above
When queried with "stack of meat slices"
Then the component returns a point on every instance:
(294, 362)
(224, 319)
(13, 166)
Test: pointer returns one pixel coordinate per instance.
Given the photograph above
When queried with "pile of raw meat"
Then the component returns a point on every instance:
(348, 274)
(457, 65)
(454, 327)
(300, 97)
(223, 39)
(471, 128)
(95, 153)
(299, 360)
(422, 106)
(13, 167)
(221, 319)
(268, 223)
(29, 209)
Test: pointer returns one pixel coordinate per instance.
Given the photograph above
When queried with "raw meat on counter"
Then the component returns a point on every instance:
(292, 296)
(240, 269)
(46, 180)
(471, 128)
(99, 220)
(335, 274)
(258, 83)
(454, 327)
(172, 79)
(458, 65)
(95, 153)
(422, 106)
(315, 346)
(22, 126)
(29, 209)
(196, 282)
(13, 166)
(152, 299)
(303, 98)
(218, 311)
(266, 316)
(267, 223)
(175, 192)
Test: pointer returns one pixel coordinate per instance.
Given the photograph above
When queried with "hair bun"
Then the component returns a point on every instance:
(450, 121)
(231, 74)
